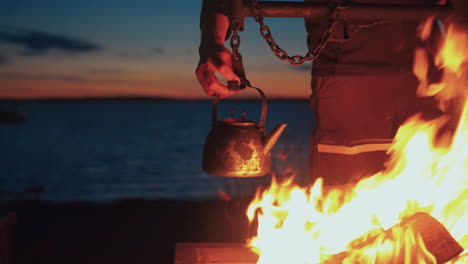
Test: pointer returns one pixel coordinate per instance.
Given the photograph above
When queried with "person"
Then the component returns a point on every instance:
(363, 87)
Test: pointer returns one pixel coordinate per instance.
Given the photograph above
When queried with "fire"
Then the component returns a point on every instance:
(370, 222)
(246, 167)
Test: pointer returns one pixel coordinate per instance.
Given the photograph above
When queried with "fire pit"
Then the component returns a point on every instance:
(415, 211)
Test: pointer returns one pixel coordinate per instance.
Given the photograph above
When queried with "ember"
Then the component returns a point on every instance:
(412, 212)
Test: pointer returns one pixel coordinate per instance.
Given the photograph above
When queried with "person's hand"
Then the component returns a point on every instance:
(211, 61)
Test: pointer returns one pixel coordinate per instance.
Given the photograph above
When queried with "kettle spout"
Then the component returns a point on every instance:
(272, 137)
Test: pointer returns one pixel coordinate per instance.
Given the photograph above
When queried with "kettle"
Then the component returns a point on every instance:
(238, 147)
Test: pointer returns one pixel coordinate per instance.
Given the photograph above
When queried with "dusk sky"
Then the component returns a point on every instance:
(107, 48)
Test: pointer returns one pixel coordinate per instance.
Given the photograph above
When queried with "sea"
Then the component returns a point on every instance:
(107, 150)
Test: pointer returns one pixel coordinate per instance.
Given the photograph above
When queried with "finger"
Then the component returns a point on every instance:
(221, 58)
(205, 75)
(211, 85)
(220, 89)
(228, 73)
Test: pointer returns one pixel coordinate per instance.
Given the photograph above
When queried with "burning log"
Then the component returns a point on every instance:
(435, 236)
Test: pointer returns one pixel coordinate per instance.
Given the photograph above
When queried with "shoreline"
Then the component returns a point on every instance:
(142, 99)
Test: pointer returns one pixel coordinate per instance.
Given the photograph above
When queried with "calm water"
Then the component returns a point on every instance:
(106, 150)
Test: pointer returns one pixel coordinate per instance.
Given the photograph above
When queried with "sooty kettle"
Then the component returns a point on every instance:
(238, 147)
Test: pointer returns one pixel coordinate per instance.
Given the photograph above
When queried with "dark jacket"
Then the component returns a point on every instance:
(365, 47)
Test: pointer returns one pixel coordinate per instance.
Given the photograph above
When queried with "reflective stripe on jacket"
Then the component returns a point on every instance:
(353, 150)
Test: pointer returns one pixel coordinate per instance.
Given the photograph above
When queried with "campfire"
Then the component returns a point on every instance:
(414, 211)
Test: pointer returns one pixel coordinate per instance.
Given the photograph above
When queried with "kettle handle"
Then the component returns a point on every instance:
(263, 115)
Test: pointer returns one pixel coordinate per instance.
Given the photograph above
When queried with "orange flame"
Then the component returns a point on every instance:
(426, 173)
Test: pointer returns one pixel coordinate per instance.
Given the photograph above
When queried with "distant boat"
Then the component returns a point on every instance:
(11, 114)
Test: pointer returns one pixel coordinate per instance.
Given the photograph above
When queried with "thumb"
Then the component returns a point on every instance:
(228, 73)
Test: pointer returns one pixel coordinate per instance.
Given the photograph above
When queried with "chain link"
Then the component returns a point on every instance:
(235, 40)
(280, 53)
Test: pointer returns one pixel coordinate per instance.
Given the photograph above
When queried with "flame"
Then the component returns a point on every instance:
(246, 167)
(427, 172)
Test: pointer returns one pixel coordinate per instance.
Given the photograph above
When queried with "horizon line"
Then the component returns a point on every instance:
(144, 98)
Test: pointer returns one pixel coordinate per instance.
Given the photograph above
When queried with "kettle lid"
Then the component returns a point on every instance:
(242, 121)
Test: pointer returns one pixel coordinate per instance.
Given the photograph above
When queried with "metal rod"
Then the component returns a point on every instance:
(355, 11)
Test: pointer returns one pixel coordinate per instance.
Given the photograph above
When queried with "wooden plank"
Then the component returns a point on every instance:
(214, 253)
(435, 236)
(437, 239)
(311, 9)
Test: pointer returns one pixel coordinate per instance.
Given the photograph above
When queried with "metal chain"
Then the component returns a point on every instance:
(281, 53)
(235, 40)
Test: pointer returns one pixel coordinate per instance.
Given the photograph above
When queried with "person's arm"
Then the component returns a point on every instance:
(214, 56)
(214, 23)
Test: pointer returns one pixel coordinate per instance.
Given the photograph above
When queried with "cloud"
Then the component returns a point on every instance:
(189, 52)
(3, 60)
(73, 78)
(132, 54)
(158, 50)
(307, 67)
(38, 42)
(41, 77)
(105, 71)
(139, 54)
